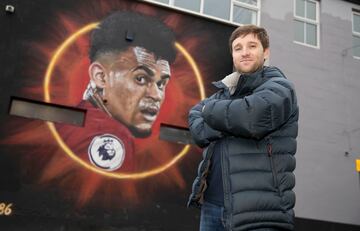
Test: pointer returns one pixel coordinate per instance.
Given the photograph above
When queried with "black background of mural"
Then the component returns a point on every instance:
(45, 209)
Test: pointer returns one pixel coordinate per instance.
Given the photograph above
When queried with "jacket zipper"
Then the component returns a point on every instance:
(205, 173)
(227, 196)
(272, 165)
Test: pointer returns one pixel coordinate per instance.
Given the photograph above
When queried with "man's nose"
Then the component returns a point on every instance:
(154, 92)
(245, 52)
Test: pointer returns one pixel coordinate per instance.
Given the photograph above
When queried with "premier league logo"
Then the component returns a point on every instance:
(107, 152)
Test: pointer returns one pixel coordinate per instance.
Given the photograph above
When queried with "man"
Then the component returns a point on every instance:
(130, 57)
(249, 129)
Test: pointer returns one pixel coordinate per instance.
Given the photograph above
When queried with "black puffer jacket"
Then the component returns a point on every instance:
(255, 124)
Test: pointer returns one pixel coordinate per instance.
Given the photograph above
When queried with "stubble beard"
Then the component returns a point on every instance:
(143, 106)
(140, 133)
(253, 68)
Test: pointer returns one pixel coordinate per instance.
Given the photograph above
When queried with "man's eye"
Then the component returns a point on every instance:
(161, 85)
(140, 79)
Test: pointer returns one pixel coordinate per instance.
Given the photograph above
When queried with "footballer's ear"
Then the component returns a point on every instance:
(97, 74)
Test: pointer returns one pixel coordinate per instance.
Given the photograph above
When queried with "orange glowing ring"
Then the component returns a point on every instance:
(59, 51)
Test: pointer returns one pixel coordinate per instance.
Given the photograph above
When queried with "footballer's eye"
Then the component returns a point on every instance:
(161, 84)
(140, 79)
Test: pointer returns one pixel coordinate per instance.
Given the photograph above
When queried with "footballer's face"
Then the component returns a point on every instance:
(134, 88)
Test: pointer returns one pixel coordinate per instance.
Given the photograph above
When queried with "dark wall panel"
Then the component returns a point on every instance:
(105, 174)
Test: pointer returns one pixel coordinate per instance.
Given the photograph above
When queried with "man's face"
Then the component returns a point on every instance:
(135, 89)
(248, 53)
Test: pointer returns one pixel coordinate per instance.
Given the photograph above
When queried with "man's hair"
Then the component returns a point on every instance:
(242, 31)
(123, 29)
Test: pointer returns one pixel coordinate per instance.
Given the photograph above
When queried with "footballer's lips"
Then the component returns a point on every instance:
(150, 113)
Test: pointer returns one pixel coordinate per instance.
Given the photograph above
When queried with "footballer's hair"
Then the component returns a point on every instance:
(123, 29)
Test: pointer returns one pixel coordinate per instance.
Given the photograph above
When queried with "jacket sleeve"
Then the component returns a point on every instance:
(256, 115)
(200, 131)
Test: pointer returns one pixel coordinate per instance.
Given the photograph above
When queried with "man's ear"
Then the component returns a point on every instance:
(266, 53)
(97, 74)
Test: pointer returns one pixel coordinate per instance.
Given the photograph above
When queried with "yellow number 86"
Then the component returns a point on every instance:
(5, 209)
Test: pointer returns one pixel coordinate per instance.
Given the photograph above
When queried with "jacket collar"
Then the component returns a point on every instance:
(248, 82)
(230, 82)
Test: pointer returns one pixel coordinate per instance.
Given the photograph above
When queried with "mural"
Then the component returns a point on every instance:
(132, 66)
